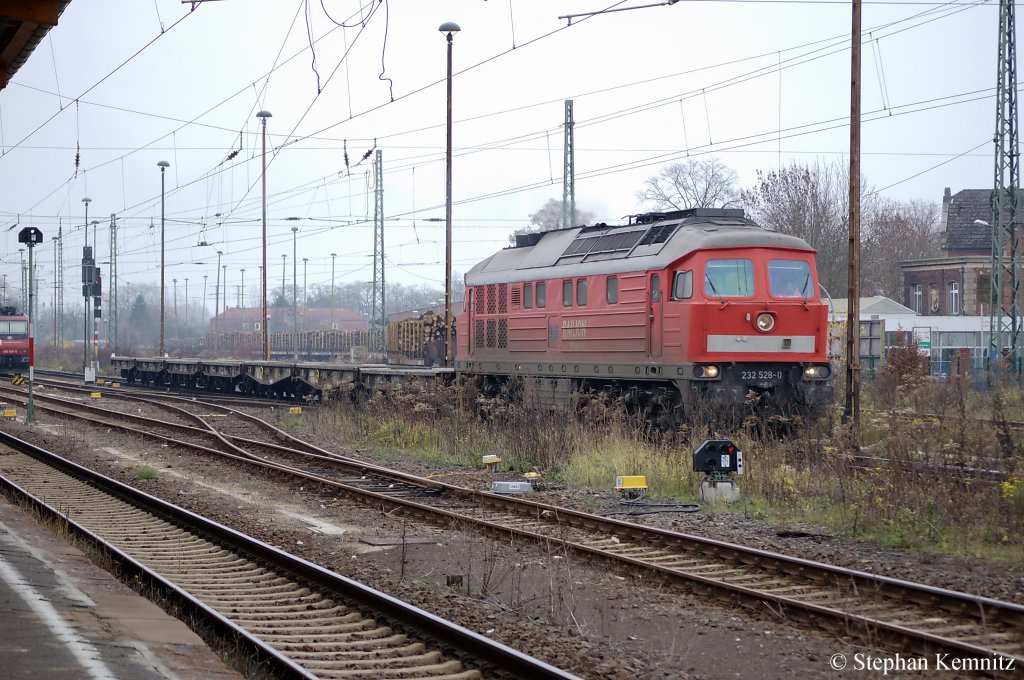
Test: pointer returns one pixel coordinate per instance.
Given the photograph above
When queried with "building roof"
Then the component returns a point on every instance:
(962, 209)
(22, 26)
(876, 304)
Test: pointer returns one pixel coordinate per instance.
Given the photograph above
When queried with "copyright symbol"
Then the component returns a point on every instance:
(837, 661)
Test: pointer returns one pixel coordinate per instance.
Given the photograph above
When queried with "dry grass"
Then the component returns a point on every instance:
(906, 495)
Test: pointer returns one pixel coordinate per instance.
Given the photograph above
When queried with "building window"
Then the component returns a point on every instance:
(567, 294)
(918, 299)
(581, 292)
(954, 298)
(527, 295)
(612, 290)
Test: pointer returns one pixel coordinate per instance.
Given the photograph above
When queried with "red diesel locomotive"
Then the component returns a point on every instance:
(13, 338)
(666, 312)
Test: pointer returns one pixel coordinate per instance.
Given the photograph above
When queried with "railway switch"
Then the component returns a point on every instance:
(718, 459)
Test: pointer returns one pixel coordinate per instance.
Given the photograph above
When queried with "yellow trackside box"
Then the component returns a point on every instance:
(631, 483)
(95, 395)
(295, 409)
(115, 385)
(10, 413)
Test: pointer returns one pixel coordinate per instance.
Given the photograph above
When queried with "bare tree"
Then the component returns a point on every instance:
(694, 183)
(896, 231)
(550, 217)
(810, 202)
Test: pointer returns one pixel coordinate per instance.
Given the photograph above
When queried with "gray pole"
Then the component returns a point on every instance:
(86, 290)
(54, 291)
(295, 293)
(30, 414)
(263, 115)
(163, 165)
(333, 255)
(216, 305)
(450, 28)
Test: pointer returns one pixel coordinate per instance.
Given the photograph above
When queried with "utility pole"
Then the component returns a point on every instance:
(377, 343)
(216, 305)
(1005, 321)
(851, 411)
(569, 171)
(56, 333)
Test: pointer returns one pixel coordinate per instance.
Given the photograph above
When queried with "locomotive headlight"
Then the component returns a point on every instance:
(765, 322)
(705, 371)
(817, 372)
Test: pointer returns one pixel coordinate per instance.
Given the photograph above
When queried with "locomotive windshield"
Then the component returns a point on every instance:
(14, 329)
(729, 278)
(790, 279)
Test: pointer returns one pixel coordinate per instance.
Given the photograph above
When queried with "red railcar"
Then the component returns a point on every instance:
(667, 312)
(13, 338)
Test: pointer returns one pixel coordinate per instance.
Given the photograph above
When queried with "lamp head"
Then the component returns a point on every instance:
(87, 200)
(263, 115)
(449, 27)
(163, 165)
(982, 223)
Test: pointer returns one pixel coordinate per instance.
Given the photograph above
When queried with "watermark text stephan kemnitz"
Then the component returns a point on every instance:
(937, 662)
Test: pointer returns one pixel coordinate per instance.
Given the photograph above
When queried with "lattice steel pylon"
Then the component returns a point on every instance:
(112, 285)
(569, 171)
(1005, 322)
(377, 315)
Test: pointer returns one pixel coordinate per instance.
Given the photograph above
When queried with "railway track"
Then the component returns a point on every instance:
(897, 614)
(296, 618)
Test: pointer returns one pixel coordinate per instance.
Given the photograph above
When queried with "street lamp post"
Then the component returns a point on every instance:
(216, 305)
(56, 333)
(263, 115)
(241, 295)
(295, 292)
(186, 310)
(333, 255)
(87, 277)
(450, 28)
(163, 165)
(203, 318)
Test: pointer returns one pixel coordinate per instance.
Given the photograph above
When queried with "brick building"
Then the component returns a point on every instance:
(959, 283)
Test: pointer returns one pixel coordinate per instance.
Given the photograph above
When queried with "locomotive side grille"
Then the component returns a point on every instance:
(492, 333)
(503, 298)
(479, 301)
(502, 333)
(478, 332)
(492, 294)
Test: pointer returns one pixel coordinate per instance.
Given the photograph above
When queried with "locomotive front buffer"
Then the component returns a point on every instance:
(719, 460)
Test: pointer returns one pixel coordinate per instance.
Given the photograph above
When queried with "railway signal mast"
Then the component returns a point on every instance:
(1005, 319)
(30, 236)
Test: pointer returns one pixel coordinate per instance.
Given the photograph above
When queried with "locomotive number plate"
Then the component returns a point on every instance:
(761, 376)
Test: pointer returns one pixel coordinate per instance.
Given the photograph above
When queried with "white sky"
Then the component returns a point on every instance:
(650, 86)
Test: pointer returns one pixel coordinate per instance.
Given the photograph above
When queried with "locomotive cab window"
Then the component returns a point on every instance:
(567, 293)
(528, 295)
(790, 279)
(612, 290)
(14, 329)
(542, 299)
(729, 278)
(682, 285)
(581, 292)
(655, 288)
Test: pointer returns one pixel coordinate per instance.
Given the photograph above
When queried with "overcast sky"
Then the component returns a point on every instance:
(128, 83)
